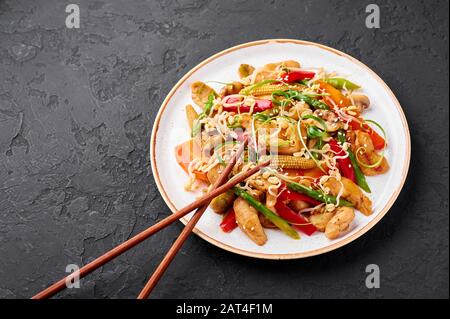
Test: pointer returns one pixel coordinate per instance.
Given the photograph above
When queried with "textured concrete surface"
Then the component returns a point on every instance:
(76, 111)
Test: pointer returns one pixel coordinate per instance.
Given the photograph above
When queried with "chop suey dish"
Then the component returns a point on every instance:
(309, 123)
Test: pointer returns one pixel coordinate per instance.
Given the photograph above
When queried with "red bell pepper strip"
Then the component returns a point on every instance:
(287, 194)
(377, 140)
(345, 164)
(260, 105)
(293, 76)
(289, 215)
(229, 221)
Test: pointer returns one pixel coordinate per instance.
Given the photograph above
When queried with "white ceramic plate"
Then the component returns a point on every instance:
(170, 129)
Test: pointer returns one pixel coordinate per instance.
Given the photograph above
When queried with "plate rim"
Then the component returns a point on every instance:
(285, 256)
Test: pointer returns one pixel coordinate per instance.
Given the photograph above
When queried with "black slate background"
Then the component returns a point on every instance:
(76, 112)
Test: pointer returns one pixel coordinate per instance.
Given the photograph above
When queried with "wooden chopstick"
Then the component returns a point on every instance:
(157, 274)
(137, 239)
(159, 271)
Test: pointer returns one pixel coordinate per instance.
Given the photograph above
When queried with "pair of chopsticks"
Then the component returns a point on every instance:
(219, 187)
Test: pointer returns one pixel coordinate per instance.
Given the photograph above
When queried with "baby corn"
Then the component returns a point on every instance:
(264, 90)
(268, 89)
(287, 161)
